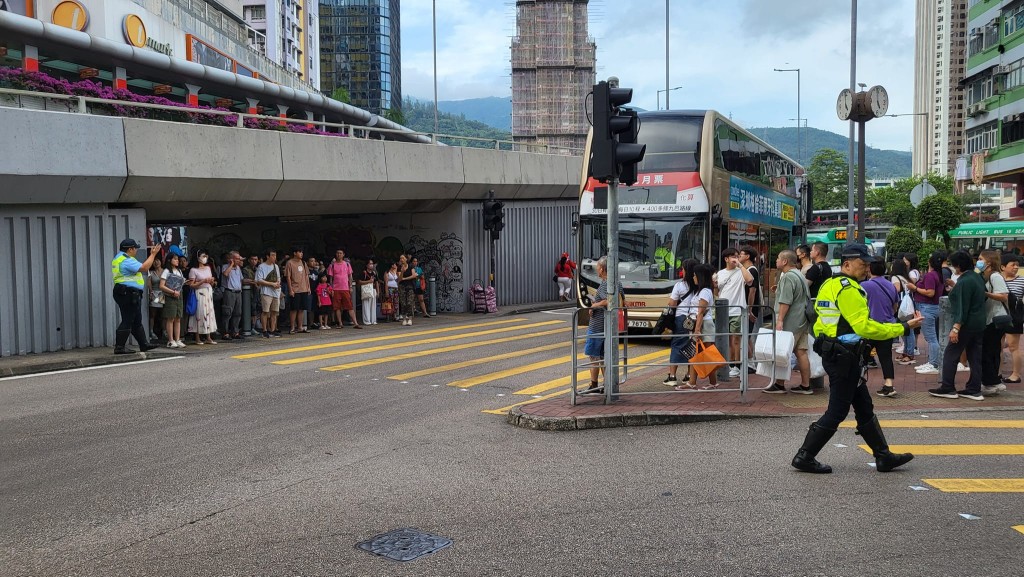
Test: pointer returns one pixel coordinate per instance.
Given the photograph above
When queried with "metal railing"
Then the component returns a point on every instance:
(721, 333)
(80, 104)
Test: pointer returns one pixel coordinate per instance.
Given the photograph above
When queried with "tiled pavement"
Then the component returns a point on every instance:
(661, 405)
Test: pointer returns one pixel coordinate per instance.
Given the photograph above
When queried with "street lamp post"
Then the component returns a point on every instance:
(434, 17)
(666, 91)
(799, 148)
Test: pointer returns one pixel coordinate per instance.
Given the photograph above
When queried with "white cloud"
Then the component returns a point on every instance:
(722, 54)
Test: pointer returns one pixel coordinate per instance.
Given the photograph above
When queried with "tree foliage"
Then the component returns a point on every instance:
(419, 116)
(940, 214)
(395, 115)
(341, 95)
(901, 240)
(829, 175)
(927, 248)
(895, 205)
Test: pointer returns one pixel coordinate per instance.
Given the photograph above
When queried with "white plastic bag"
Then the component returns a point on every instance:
(782, 371)
(817, 369)
(779, 353)
(906, 307)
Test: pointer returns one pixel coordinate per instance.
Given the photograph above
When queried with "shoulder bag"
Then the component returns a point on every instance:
(1001, 322)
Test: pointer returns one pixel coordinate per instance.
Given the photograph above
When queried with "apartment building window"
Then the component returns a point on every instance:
(1013, 20)
(979, 90)
(984, 38)
(1013, 128)
(982, 137)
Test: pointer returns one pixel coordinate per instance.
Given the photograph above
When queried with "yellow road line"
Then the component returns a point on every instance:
(474, 381)
(410, 343)
(504, 410)
(977, 485)
(942, 424)
(563, 381)
(472, 362)
(401, 335)
(1019, 528)
(448, 349)
(960, 450)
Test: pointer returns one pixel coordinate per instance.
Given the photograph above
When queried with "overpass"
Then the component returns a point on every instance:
(72, 185)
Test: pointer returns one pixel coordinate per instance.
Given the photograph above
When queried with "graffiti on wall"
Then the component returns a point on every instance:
(443, 258)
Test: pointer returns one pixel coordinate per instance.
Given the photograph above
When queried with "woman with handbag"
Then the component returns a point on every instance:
(1011, 266)
(368, 292)
(997, 320)
(201, 278)
(682, 345)
(564, 269)
(702, 337)
(901, 279)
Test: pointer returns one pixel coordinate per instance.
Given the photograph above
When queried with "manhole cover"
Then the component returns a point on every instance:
(404, 544)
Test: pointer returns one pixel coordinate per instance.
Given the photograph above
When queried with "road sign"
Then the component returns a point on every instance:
(921, 192)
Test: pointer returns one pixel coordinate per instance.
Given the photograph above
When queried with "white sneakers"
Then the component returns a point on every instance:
(175, 345)
(927, 369)
(961, 368)
(734, 372)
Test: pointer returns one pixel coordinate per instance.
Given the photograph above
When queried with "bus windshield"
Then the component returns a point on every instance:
(651, 249)
(673, 143)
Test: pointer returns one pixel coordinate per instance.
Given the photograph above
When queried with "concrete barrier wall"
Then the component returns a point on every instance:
(177, 170)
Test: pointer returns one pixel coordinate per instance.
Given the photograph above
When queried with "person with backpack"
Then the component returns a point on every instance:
(882, 304)
(1011, 266)
(927, 292)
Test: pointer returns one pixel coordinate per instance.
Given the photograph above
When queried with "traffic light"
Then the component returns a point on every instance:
(494, 217)
(612, 154)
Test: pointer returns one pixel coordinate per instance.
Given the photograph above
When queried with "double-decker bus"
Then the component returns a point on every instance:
(704, 184)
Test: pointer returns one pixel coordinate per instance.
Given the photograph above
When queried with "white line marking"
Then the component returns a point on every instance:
(79, 369)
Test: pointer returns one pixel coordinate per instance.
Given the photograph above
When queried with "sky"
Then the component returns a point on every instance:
(721, 53)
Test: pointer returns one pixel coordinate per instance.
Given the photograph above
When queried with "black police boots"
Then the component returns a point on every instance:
(816, 438)
(121, 341)
(885, 460)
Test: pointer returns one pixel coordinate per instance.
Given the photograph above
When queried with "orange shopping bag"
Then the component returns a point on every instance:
(707, 354)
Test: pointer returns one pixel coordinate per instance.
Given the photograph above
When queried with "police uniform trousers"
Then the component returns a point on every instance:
(845, 391)
(129, 303)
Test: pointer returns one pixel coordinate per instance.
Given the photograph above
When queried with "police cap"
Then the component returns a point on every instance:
(857, 250)
(129, 243)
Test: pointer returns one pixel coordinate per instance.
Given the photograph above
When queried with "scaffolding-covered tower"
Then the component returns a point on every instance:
(552, 72)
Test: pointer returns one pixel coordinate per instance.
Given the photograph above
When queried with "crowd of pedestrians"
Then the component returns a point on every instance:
(202, 302)
(986, 315)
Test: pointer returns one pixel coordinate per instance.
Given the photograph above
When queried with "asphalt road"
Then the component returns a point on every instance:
(213, 465)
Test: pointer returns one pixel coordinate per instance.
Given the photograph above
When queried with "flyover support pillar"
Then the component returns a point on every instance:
(120, 78)
(253, 105)
(30, 59)
(282, 112)
(193, 95)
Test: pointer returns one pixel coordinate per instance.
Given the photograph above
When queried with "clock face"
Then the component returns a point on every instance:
(879, 99)
(844, 105)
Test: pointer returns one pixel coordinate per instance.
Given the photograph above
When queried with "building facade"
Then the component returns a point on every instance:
(995, 92)
(553, 60)
(287, 32)
(360, 51)
(940, 62)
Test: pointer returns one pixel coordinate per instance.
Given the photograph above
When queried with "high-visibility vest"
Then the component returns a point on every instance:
(134, 281)
(842, 311)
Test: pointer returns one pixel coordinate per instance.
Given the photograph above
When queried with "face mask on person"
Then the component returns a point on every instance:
(203, 259)
(980, 264)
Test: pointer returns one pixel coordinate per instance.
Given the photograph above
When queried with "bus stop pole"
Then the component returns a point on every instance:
(611, 320)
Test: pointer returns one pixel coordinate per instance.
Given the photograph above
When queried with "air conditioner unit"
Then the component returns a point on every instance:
(1002, 69)
(974, 109)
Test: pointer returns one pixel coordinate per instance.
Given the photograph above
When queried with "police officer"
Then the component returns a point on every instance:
(843, 329)
(128, 294)
(664, 258)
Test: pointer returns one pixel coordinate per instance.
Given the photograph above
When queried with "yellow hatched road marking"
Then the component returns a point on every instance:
(472, 362)
(474, 381)
(960, 450)
(977, 485)
(1019, 528)
(942, 424)
(563, 381)
(504, 410)
(448, 349)
(409, 343)
(401, 335)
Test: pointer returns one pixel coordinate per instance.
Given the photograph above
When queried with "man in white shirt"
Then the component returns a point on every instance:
(268, 278)
(732, 282)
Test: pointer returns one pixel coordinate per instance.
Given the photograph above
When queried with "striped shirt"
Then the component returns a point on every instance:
(1016, 286)
(596, 325)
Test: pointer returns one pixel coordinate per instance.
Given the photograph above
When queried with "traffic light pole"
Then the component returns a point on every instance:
(611, 317)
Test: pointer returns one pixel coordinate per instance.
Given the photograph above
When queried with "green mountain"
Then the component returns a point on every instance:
(419, 116)
(878, 163)
(492, 111)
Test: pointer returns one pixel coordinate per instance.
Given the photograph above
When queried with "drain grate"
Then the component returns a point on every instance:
(404, 544)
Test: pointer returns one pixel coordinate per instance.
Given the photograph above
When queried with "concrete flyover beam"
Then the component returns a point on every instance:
(54, 157)
(422, 172)
(547, 176)
(323, 168)
(173, 162)
(487, 170)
